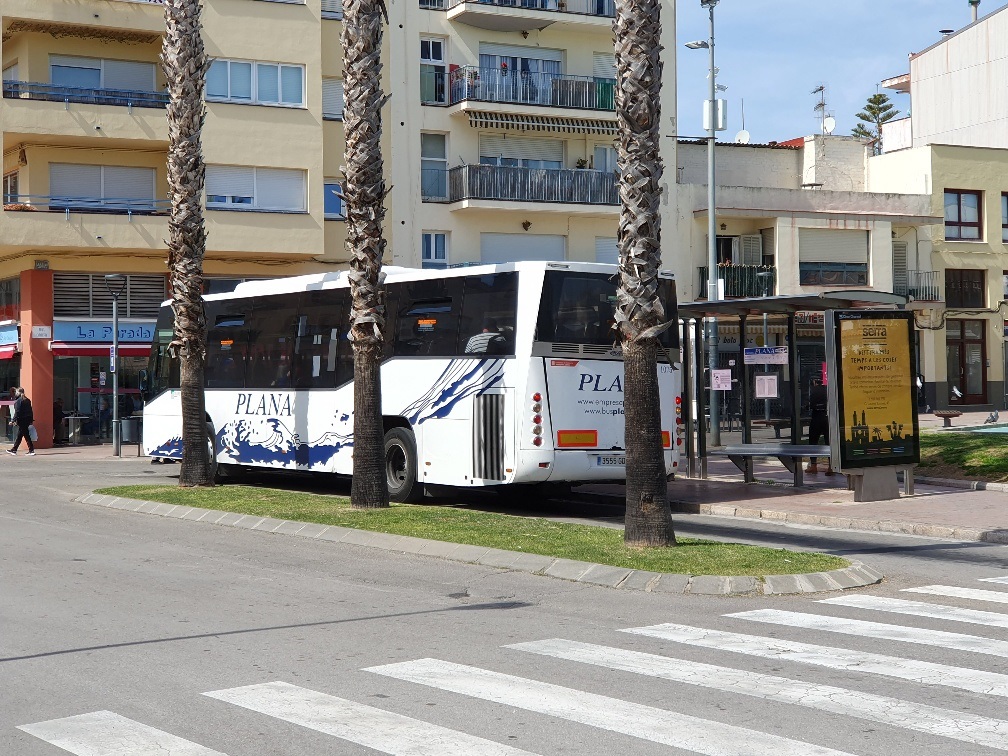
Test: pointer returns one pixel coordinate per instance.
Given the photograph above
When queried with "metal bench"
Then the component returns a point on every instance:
(790, 455)
(779, 424)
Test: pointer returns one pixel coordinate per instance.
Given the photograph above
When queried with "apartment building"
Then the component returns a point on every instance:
(954, 148)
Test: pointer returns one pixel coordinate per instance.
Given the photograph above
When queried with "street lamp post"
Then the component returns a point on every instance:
(116, 284)
(711, 107)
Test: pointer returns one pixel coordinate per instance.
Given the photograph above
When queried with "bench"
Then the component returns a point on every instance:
(947, 416)
(779, 424)
(790, 455)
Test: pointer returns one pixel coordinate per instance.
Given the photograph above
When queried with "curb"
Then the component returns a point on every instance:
(971, 485)
(857, 575)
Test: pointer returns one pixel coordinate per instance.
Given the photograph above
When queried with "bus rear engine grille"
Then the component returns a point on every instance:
(488, 437)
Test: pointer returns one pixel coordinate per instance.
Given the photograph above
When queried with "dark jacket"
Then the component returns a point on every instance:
(818, 401)
(23, 415)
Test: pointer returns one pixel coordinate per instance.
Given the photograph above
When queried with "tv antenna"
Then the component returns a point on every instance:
(826, 121)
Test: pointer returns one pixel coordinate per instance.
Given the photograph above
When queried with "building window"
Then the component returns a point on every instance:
(432, 71)
(75, 186)
(962, 215)
(334, 208)
(964, 288)
(10, 299)
(433, 167)
(98, 73)
(833, 274)
(232, 187)
(256, 83)
(434, 249)
(332, 9)
(1004, 218)
(332, 99)
(10, 187)
(966, 359)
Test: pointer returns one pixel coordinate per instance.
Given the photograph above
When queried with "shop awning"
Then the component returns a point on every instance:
(78, 349)
(7, 351)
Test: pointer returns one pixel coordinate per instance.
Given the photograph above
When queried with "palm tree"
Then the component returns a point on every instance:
(877, 111)
(364, 192)
(185, 65)
(640, 315)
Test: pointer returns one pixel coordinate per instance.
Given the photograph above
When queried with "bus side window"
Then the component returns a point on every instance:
(321, 346)
(489, 306)
(271, 340)
(227, 343)
(427, 318)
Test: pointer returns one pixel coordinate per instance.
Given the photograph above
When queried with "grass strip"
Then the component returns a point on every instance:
(965, 456)
(536, 535)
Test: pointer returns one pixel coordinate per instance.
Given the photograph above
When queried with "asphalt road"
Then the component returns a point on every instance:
(114, 626)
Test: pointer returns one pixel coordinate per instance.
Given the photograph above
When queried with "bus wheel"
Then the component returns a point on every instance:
(401, 466)
(212, 452)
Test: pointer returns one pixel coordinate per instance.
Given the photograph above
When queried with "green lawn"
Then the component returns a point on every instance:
(459, 525)
(968, 456)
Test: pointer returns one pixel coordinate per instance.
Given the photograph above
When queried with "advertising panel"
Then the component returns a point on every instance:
(871, 361)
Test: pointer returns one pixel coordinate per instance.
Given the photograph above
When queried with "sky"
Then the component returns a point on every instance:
(772, 53)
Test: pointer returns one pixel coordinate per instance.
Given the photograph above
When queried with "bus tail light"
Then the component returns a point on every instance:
(537, 441)
(666, 439)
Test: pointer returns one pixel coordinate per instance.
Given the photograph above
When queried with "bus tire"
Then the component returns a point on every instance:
(215, 471)
(401, 466)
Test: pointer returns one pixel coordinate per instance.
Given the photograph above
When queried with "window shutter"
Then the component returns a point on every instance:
(821, 245)
(144, 296)
(606, 250)
(500, 248)
(128, 183)
(332, 98)
(71, 295)
(769, 242)
(604, 65)
(280, 189)
(899, 267)
(515, 51)
(230, 180)
(75, 61)
(521, 148)
(11, 73)
(127, 74)
(267, 82)
(752, 249)
(75, 181)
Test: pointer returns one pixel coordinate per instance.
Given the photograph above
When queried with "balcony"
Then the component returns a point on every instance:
(920, 286)
(25, 90)
(525, 15)
(743, 280)
(67, 205)
(513, 184)
(470, 83)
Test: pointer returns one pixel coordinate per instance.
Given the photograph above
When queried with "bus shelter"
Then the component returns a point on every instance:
(780, 315)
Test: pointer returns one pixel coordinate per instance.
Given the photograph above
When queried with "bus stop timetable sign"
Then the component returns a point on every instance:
(766, 355)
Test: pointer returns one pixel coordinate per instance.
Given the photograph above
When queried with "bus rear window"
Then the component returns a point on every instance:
(579, 308)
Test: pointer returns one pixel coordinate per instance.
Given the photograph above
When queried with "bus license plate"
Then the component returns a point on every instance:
(610, 460)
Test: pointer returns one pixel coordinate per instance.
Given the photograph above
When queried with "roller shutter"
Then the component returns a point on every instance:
(516, 51)
(521, 148)
(332, 98)
(827, 245)
(280, 189)
(604, 65)
(498, 248)
(72, 181)
(128, 74)
(126, 183)
(606, 250)
(230, 181)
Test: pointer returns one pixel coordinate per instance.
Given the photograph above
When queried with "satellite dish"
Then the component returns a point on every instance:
(828, 124)
(742, 137)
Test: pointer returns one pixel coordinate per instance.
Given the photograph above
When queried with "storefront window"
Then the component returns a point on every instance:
(10, 299)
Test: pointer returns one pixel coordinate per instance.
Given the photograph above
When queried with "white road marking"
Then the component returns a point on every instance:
(104, 733)
(380, 730)
(637, 720)
(978, 681)
(890, 711)
(860, 628)
(997, 597)
(1003, 579)
(921, 609)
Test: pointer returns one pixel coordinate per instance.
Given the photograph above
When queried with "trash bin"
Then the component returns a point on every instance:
(129, 430)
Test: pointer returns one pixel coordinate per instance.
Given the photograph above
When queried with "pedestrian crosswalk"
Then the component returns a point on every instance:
(957, 695)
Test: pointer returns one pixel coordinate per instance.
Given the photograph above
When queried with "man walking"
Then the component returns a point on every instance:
(23, 419)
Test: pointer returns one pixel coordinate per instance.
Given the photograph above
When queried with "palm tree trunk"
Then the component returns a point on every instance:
(364, 192)
(185, 66)
(641, 317)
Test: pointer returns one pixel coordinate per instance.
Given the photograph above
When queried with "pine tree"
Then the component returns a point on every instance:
(877, 111)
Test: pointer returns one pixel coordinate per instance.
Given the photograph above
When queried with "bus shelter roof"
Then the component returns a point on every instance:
(846, 299)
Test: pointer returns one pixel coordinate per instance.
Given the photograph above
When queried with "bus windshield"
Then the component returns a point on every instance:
(579, 308)
(164, 370)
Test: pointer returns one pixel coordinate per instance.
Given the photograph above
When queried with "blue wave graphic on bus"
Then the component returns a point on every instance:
(172, 449)
(270, 441)
(460, 379)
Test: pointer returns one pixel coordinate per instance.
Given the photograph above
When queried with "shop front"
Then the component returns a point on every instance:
(10, 372)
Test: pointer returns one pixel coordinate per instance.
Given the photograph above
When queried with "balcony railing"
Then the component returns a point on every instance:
(743, 280)
(27, 90)
(921, 285)
(493, 182)
(63, 204)
(529, 88)
(606, 8)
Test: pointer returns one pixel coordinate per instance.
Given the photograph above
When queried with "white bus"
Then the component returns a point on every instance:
(492, 375)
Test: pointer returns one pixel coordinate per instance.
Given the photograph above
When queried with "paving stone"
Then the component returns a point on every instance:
(196, 513)
(995, 536)
(708, 585)
(227, 518)
(268, 524)
(601, 574)
(639, 580)
(358, 537)
(287, 527)
(163, 509)
(333, 533)
(846, 579)
(753, 514)
(567, 569)
(778, 584)
(147, 507)
(179, 512)
(743, 584)
(311, 530)
(410, 545)
(772, 514)
(441, 549)
(820, 582)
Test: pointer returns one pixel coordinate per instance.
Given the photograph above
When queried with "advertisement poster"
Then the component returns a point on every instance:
(721, 380)
(872, 360)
